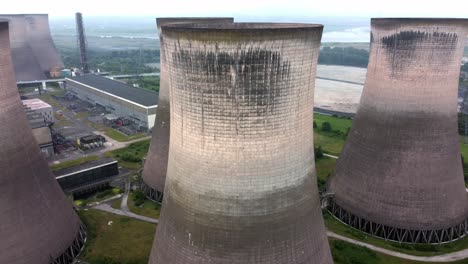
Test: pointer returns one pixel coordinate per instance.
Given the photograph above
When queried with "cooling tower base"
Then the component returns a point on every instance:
(74, 250)
(439, 236)
(152, 194)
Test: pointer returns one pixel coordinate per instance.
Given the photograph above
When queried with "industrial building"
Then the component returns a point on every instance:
(42, 108)
(136, 104)
(154, 176)
(87, 177)
(38, 223)
(33, 50)
(241, 181)
(400, 176)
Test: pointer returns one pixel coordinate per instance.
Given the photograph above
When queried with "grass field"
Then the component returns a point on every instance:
(132, 156)
(113, 133)
(75, 162)
(97, 196)
(114, 239)
(418, 250)
(148, 208)
(325, 167)
(332, 142)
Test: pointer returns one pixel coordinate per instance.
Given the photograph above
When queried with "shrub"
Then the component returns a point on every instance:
(318, 152)
(139, 198)
(326, 127)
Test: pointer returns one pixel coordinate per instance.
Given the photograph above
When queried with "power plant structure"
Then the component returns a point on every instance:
(154, 172)
(82, 43)
(32, 49)
(37, 222)
(400, 175)
(241, 181)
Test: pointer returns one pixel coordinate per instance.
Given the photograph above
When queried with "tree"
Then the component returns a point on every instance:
(326, 127)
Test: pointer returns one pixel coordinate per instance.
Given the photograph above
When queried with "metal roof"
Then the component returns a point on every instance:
(120, 89)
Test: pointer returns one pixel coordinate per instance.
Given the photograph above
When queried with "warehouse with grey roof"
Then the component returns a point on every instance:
(136, 104)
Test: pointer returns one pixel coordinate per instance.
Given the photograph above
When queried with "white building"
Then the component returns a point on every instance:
(136, 104)
(42, 108)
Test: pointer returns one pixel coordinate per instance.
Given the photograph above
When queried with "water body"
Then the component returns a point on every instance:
(336, 29)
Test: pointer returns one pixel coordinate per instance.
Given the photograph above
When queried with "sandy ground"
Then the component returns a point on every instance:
(337, 96)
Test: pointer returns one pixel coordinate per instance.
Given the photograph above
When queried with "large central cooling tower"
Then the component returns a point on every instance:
(154, 172)
(241, 183)
(400, 174)
(37, 223)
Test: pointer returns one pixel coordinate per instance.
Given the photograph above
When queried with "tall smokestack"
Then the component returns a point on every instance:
(154, 172)
(82, 43)
(37, 222)
(399, 175)
(241, 182)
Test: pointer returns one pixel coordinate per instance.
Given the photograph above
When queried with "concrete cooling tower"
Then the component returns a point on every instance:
(241, 182)
(32, 48)
(37, 223)
(400, 176)
(154, 172)
(41, 42)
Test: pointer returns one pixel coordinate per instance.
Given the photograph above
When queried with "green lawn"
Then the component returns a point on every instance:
(418, 250)
(98, 196)
(116, 204)
(337, 123)
(331, 141)
(132, 156)
(115, 134)
(124, 241)
(347, 253)
(71, 163)
(325, 167)
(148, 208)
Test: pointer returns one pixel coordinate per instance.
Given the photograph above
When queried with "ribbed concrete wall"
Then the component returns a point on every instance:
(26, 65)
(154, 172)
(37, 222)
(401, 164)
(241, 181)
(41, 42)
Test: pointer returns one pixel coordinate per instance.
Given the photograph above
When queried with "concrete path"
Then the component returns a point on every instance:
(124, 204)
(455, 256)
(109, 209)
(330, 156)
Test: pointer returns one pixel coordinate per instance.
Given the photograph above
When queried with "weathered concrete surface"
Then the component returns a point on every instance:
(241, 178)
(154, 172)
(37, 221)
(401, 164)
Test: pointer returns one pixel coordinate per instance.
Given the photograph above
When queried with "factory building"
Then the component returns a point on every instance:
(87, 177)
(33, 51)
(154, 176)
(400, 175)
(38, 223)
(136, 104)
(241, 181)
(42, 108)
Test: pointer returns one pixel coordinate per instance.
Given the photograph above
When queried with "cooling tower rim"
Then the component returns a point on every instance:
(244, 27)
(190, 18)
(430, 20)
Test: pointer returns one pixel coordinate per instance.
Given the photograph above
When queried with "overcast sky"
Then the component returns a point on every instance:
(283, 8)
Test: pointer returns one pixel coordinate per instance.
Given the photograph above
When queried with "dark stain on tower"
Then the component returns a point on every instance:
(240, 183)
(154, 171)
